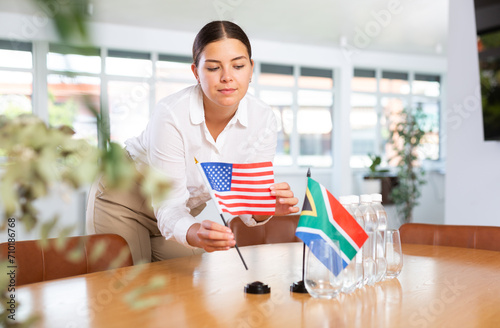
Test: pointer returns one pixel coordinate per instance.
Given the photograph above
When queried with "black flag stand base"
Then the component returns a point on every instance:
(298, 287)
(257, 287)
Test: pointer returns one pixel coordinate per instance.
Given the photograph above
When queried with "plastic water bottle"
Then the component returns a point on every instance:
(381, 260)
(356, 213)
(369, 248)
(349, 272)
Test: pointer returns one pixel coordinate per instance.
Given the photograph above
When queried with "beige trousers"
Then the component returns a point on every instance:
(128, 214)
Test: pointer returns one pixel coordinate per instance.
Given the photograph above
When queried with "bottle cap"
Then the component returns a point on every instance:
(376, 198)
(365, 198)
(345, 200)
(354, 199)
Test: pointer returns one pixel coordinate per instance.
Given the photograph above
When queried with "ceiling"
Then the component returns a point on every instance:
(417, 27)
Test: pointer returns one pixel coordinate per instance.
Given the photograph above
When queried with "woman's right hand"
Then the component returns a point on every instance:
(210, 236)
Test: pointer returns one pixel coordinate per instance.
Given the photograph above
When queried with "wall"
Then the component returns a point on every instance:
(472, 165)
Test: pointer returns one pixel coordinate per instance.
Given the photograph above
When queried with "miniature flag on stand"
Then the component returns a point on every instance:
(324, 217)
(241, 188)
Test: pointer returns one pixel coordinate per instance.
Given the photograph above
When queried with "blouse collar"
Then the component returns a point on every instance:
(197, 113)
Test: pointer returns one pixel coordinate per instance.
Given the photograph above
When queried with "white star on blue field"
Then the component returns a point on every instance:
(219, 175)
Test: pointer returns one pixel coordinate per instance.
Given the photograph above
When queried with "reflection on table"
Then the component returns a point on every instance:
(438, 287)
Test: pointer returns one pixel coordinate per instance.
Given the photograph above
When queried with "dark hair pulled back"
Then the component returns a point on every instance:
(215, 31)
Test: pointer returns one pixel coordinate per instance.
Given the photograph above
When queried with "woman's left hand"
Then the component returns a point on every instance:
(285, 200)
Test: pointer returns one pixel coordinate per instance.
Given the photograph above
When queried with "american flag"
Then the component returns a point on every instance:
(242, 188)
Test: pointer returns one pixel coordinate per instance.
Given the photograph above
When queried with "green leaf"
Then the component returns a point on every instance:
(62, 238)
(120, 259)
(4, 278)
(45, 231)
(76, 254)
(98, 250)
(136, 300)
(155, 185)
(118, 169)
(8, 194)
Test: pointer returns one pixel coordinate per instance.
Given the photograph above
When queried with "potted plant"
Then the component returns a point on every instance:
(377, 181)
(406, 135)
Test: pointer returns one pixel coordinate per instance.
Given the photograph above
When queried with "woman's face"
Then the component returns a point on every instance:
(224, 72)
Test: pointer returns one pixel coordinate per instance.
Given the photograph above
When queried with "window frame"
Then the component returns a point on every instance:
(40, 72)
(28, 47)
(409, 98)
(296, 71)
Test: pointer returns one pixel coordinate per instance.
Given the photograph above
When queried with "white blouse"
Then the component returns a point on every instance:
(177, 133)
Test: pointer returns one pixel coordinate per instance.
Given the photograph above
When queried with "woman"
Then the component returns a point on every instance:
(215, 120)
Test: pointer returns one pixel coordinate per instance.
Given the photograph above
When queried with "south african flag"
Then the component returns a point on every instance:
(324, 217)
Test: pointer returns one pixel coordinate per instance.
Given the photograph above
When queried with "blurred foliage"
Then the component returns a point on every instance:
(14, 105)
(69, 19)
(490, 96)
(406, 137)
(490, 40)
(136, 298)
(375, 162)
(62, 113)
(39, 158)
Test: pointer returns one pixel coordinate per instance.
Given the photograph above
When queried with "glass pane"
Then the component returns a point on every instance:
(70, 103)
(364, 80)
(73, 63)
(313, 82)
(276, 80)
(164, 89)
(314, 125)
(315, 78)
(173, 70)
(429, 147)
(391, 109)
(426, 88)
(15, 59)
(364, 84)
(129, 67)
(128, 109)
(363, 121)
(276, 97)
(277, 75)
(15, 93)
(315, 98)
(281, 102)
(394, 82)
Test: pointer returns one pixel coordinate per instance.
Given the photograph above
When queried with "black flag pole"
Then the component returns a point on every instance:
(235, 245)
(299, 286)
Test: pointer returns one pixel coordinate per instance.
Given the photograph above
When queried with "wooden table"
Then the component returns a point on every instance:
(438, 287)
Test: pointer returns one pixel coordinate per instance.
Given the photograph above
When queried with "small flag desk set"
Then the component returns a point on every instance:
(245, 189)
(241, 189)
(323, 217)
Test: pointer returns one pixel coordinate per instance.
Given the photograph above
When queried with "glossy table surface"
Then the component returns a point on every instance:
(438, 287)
